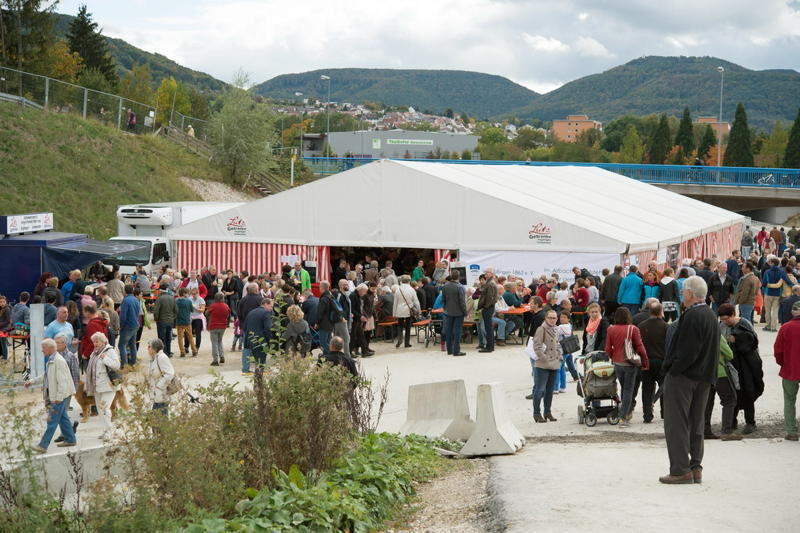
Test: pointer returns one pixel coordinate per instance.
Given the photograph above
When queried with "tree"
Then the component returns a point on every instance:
(449, 113)
(773, 150)
(632, 150)
(26, 33)
(709, 140)
(493, 136)
(791, 158)
(58, 62)
(198, 103)
(685, 137)
(660, 143)
(739, 152)
(94, 79)
(137, 85)
(170, 95)
(466, 154)
(85, 39)
(241, 136)
(528, 138)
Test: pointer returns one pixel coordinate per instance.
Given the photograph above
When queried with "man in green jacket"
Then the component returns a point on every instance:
(419, 271)
(302, 275)
(164, 313)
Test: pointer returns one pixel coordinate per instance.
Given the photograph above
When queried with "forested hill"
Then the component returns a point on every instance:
(128, 55)
(474, 93)
(667, 84)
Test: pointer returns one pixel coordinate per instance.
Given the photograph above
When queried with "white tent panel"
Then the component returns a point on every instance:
(476, 207)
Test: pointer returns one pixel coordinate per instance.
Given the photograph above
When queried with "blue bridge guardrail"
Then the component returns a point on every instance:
(667, 174)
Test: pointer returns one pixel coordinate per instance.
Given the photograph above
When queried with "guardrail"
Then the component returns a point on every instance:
(668, 174)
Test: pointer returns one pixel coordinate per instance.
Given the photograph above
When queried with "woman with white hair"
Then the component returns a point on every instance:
(160, 375)
(102, 379)
(406, 304)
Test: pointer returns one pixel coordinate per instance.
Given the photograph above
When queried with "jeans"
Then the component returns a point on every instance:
(453, 328)
(626, 375)
(246, 353)
(571, 366)
(184, 336)
(789, 401)
(488, 325)
(216, 344)
(197, 331)
(324, 340)
(684, 418)
(127, 346)
(164, 332)
(746, 312)
(58, 416)
(233, 303)
(746, 251)
(633, 308)
(771, 307)
(543, 380)
(560, 383)
(501, 327)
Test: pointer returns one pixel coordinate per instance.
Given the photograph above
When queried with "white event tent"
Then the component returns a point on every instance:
(520, 218)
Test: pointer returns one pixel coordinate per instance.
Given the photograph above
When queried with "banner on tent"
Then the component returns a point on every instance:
(529, 265)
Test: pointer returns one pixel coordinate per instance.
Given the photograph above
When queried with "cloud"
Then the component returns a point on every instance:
(583, 16)
(588, 47)
(544, 44)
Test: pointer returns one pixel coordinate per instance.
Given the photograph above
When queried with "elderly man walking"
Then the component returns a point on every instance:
(58, 389)
(690, 368)
(787, 355)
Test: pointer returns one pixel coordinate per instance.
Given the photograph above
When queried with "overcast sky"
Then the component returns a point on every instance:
(539, 44)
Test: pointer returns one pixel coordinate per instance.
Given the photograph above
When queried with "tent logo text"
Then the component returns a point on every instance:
(237, 226)
(540, 234)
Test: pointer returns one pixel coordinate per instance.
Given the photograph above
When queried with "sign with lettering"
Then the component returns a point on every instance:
(411, 142)
(17, 224)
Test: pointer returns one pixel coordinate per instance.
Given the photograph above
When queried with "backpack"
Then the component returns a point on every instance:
(337, 312)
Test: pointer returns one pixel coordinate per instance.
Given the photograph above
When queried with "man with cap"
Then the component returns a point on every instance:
(787, 355)
(58, 389)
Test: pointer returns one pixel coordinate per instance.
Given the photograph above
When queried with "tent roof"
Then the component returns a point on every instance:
(412, 204)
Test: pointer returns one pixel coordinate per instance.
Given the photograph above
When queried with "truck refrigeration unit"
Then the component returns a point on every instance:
(146, 225)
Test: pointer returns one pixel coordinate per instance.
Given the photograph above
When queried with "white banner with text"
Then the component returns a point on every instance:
(529, 265)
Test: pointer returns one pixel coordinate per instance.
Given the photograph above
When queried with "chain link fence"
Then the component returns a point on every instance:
(61, 97)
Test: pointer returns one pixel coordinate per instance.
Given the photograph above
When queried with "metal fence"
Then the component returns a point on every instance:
(676, 174)
(62, 97)
(194, 126)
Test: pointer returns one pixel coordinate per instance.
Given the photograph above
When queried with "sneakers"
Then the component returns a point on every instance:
(248, 373)
(625, 422)
(74, 429)
(563, 391)
(67, 444)
(38, 449)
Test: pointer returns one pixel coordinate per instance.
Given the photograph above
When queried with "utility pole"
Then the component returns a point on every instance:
(328, 112)
(721, 71)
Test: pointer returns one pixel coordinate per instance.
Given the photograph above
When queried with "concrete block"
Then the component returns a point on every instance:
(438, 410)
(494, 433)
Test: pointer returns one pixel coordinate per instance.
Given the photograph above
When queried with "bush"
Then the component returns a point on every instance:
(361, 492)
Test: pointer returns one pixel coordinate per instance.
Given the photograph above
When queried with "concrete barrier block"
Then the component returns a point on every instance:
(494, 433)
(438, 410)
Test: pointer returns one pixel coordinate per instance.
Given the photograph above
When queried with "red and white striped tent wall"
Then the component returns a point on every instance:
(254, 257)
(720, 243)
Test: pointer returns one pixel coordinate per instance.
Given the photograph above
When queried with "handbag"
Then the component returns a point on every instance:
(733, 375)
(529, 351)
(570, 344)
(630, 353)
(114, 376)
(174, 385)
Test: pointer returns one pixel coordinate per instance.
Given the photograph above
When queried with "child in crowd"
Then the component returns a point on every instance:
(564, 331)
(238, 338)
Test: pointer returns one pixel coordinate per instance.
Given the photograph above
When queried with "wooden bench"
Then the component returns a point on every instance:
(389, 323)
(467, 331)
(423, 326)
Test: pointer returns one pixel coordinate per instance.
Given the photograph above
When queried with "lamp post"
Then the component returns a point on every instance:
(301, 124)
(328, 111)
(721, 71)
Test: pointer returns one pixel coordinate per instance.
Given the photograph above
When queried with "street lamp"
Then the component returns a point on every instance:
(328, 110)
(301, 124)
(721, 71)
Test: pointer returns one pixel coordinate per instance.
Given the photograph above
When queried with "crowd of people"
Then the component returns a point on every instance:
(648, 321)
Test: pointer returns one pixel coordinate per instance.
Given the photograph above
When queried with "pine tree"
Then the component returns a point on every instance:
(709, 139)
(739, 152)
(661, 143)
(631, 150)
(85, 39)
(792, 157)
(685, 137)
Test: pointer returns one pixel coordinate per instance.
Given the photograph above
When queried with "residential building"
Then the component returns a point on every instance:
(568, 130)
(721, 129)
(390, 144)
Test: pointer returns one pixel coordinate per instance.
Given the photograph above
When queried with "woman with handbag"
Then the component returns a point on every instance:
(406, 309)
(624, 346)
(103, 379)
(548, 359)
(160, 375)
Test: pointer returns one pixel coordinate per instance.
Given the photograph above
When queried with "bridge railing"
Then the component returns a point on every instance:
(676, 174)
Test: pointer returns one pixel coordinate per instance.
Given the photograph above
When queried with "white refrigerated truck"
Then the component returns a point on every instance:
(147, 224)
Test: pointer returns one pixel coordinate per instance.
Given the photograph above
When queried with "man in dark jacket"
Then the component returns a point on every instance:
(485, 305)
(309, 307)
(164, 313)
(691, 368)
(251, 301)
(654, 334)
(609, 290)
(430, 292)
(211, 283)
(257, 331)
(358, 340)
(342, 328)
(327, 315)
(788, 303)
(454, 303)
(334, 355)
(720, 287)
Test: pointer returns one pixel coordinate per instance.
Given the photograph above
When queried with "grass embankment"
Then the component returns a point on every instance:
(81, 170)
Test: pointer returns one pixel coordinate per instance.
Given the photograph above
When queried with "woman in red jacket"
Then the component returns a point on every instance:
(627, 374)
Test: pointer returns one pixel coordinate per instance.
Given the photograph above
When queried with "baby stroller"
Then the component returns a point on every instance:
(598, 388)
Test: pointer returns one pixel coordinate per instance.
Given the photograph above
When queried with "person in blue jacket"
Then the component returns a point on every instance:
(630, 291)
(650, 287)
(771, 281)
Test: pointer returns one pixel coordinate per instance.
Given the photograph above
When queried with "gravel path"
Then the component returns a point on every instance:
(216, 191)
